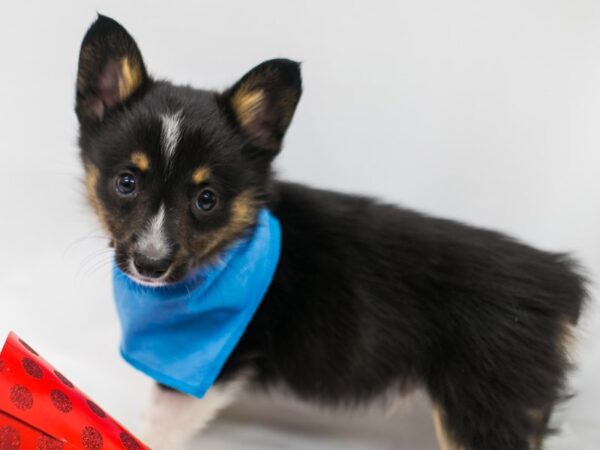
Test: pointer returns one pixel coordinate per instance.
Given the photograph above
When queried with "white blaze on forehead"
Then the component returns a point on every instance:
(171, 134)
(153, 241)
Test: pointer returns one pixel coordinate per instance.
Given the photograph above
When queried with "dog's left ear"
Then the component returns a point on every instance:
(111, 70)
(263, 102)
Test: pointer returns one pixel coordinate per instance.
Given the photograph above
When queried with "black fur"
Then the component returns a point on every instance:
(367, 297)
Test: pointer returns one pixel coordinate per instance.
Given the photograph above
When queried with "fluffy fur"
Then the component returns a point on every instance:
(367, 297)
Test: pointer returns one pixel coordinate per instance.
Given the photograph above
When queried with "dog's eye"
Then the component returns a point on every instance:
(125, 183)
(206, 200)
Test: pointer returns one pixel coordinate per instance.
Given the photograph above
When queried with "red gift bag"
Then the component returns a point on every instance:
(40, 409)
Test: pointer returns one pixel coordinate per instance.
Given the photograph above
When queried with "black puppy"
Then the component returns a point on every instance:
(366, 298)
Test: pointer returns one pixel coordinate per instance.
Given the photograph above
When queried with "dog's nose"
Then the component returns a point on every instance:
(149, 267)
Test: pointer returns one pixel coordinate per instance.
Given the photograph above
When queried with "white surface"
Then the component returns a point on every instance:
(487, 112)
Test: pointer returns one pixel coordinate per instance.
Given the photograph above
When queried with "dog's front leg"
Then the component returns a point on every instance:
(173, 418)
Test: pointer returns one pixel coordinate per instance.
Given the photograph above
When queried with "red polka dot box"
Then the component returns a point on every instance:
(40, 409)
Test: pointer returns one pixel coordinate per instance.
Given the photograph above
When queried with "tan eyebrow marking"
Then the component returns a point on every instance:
(201, 174)
(140, 160)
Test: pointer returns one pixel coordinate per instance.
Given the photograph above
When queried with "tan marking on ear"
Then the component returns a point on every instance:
(246, 104)
(91, 182)
(201, 174)
(443, 438)
(130, 79)
(140, 160)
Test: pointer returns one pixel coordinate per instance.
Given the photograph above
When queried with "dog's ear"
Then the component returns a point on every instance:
(263, 102)
(111, 70)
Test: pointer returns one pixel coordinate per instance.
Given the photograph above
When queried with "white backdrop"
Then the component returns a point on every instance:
(487, 112)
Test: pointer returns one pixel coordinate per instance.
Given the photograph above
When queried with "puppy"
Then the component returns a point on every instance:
(366, 297)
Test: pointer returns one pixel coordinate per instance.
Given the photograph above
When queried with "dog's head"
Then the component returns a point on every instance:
(175, 174)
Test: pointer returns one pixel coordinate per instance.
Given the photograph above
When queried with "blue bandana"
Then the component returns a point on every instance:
(182, 334)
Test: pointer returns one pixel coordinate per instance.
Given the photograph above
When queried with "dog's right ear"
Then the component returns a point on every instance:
(111, 70)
